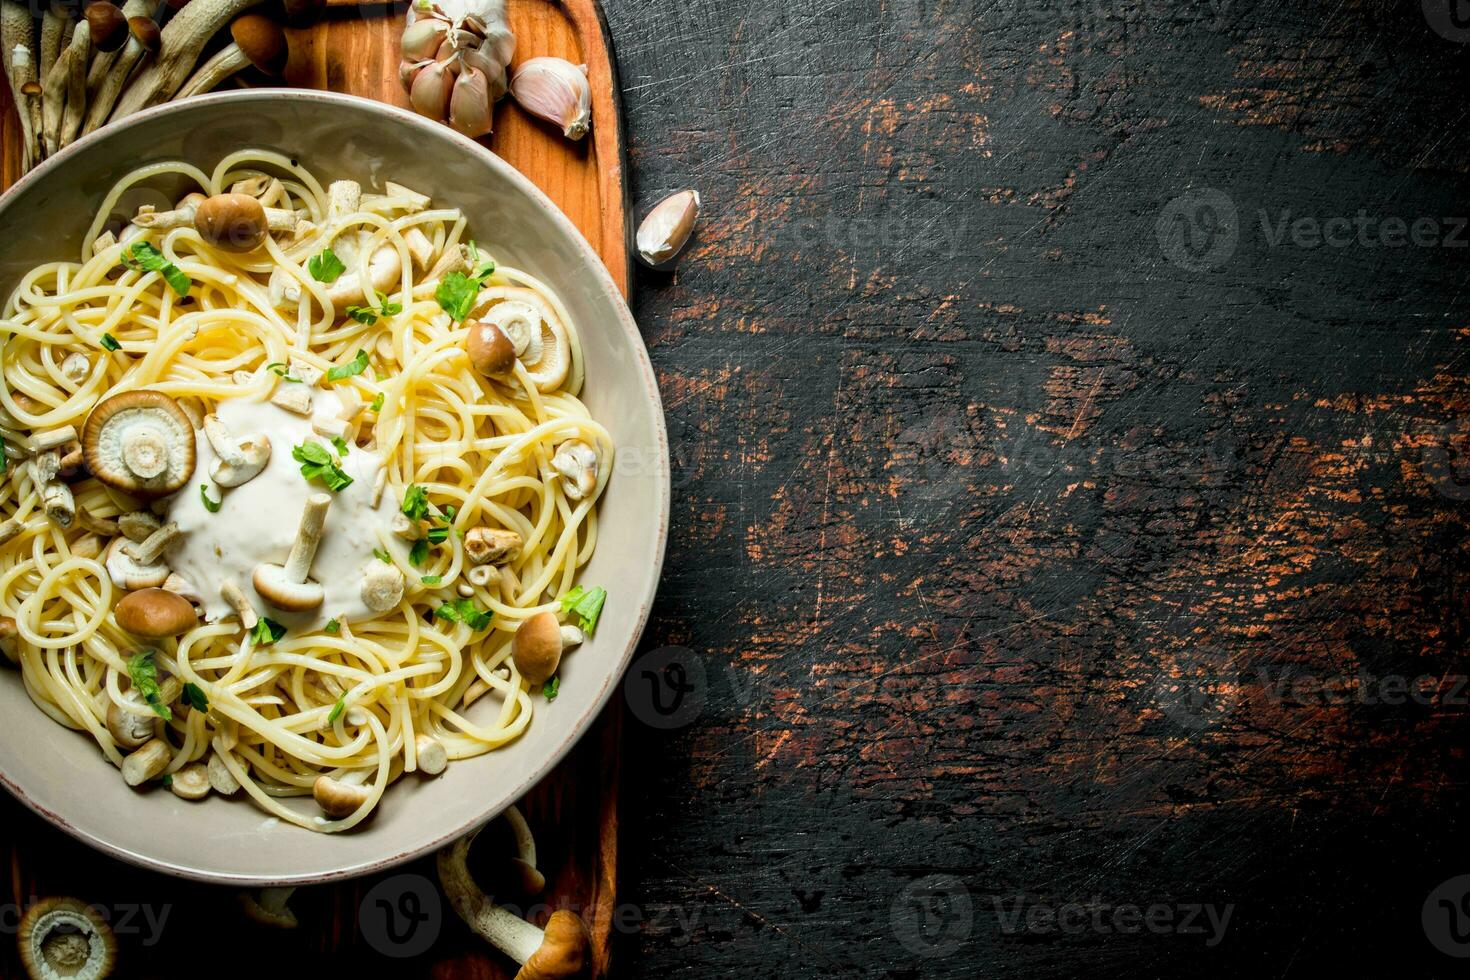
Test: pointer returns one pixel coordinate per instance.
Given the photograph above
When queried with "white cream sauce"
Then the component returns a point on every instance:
(257, 521)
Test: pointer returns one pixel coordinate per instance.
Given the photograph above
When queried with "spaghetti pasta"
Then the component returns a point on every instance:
(468, 500)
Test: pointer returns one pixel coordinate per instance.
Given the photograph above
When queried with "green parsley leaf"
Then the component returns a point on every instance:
(464, 611)
(450, 513)
(418, 552)
(383, 556)
(267, 631)
(551, 688)
(109, 342)
(167, 781)
(333, 627)
(144, 673)
(483, 270)
(432, 579)
(369, 315)
(456, 295)
(325, 266)
(377, 404)
(415, 502)
(195, 697)
(337, 710)
(355, 366)
(318, 464)
(279, 370)
(586, 605)
(438, 535)
(141, 255)
(212, 506)
(340, 444)
(4, 463)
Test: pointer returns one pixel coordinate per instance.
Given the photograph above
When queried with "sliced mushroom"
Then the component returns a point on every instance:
(293, 398)
(155, 613)
(577, 463)
(221, 780)
(338, 799)
(239, 460)
(537, 647)
(492, 545)
(382, 586)
(483, 576)
(64, 939)
(559, 951)
(128, 573)
(76, 367)
(151, 548)
(191, 782)
(140, 442)
(10, 639)
(138, 525)
(288, 586)
(146, 763)
(403, 527)
(130, 729)
(432, 756)
(58, 502)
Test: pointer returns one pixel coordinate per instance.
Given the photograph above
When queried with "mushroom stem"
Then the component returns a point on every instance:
(308, 536)
(143, 39)
(183, 39)
(16, 44)
(276, 219)
(236, 597)
(229, 61)
(76, 83)
(53, 31)
(507, 932)
(57, 84)
(152, 548)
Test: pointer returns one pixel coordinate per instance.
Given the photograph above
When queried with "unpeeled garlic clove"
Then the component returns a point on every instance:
(422, 38)
(667, 228)
(431, 90)
(470, 105)
(556, 90)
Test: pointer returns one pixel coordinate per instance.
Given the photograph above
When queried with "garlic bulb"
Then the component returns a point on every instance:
(453, 59)
(666, 229)
(556, 90)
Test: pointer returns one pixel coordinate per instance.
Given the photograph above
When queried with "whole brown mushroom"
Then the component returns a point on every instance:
(140, 442)
(155, 613)
(234, 222)
(491, 352)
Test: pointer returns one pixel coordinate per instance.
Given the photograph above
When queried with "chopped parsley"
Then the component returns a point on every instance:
(355, 366)
(267, 631)
(482, 271)
(318, 464)
(144, 257)
(325, 266)
(432, 579)
(551, 687)
(340, 444)
(464, 611)
(337, 710)
(418, 552)
(166, 780)
(212, 506)
(377, 404)
(415, 502)
(586, 605)
(450, 513)
(333, 627)
(279, 370)
(4, 463)
(144, 673)
(369, 315)
(438, 535)
(195, 697)
(109, 342)
(383, 556)
(457, 291)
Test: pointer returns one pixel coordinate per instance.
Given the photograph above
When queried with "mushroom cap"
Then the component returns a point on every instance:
(234, 222)
(140, 442)
(490, 350)
(276, 588)
(129, 730)
(109, 25)
(127, 573)
(338, 799)
(563, 952)
(262, 41)
(146, 32)
(64, 937)
(537, 646)
(9, 634)
(155, 613)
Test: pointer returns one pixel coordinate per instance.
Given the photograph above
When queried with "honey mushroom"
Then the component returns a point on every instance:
(139, 442)
(288, 586)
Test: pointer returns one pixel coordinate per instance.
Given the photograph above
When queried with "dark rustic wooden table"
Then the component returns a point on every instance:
(1069, 542)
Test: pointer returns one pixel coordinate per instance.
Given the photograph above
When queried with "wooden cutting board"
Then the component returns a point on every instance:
(386, 921)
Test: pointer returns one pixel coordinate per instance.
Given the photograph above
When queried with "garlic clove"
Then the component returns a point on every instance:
(422, 38)
(494, 71)
(409, 70)
(470, 104)
(431, 90)
(556, 90)
(666, 229)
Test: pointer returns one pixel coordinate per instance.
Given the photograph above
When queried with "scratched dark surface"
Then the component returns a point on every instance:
(1027, 567)
(1056, 532)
